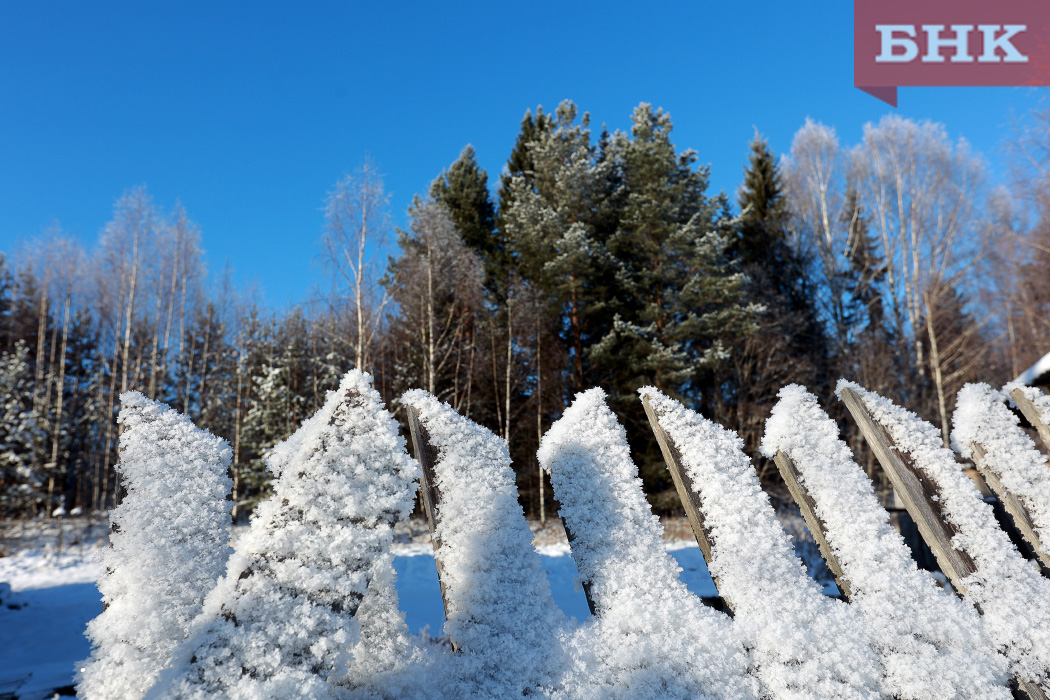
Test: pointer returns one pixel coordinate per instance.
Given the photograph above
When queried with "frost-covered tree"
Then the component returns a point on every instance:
(169, 546)
(437, 285)
(464, 191)
(635, 647)
(20, 432)
(932, 645)
(804, 643)
(499, 607)
(281, 623)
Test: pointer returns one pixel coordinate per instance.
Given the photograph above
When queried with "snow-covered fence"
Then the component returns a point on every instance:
(307, 608)
(972, 551)
(988, 432)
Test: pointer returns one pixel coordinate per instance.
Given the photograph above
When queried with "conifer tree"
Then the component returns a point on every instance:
(680, 298)
(20, 431)
(463, 190)
(551, 228)
(790, 345)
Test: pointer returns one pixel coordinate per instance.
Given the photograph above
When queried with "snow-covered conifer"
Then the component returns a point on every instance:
(168, 548)
(652, 638)
(932, 644)
(20, 434)
(982, 416)
(804, 643)
(281, 623)
(500, 610)
(1009, 591)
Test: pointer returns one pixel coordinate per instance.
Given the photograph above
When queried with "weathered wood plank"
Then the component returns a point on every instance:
(586, 585)
(1035, 692)
(1017, 510)
(816, 526)
(684, 486)
(919, 493)
(427, 456)
(1031, 414)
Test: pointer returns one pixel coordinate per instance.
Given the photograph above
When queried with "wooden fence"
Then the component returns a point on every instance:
(917, 489)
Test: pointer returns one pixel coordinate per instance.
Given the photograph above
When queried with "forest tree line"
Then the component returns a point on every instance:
(594, 259)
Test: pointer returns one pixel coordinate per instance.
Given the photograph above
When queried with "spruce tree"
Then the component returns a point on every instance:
(790, 344)
(464, 191)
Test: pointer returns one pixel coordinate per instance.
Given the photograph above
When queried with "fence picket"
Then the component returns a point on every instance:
(427, 456)
(1031, 414)
(790, 474)
(1017, 510)
(920, 496)
(686, 493)
(916, 490)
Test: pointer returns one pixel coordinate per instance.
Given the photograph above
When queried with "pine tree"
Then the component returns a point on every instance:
(680, 299)
(167, 550)
(550, 227)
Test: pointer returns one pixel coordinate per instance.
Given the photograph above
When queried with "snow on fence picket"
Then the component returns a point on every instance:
(932, 644)
(168, 547)
(651, 637)
(282, 622)
(972, 550)
(805, 644)
(987, 431)
(307, 608)
(1035, 406)
(498, 603)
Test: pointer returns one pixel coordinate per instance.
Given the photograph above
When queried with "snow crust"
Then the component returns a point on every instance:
(805, 644)
(652, 638)
(281, 623)
(1010, 592)
(982, 416)
(500, 610)
(932, 644)
(167, 549)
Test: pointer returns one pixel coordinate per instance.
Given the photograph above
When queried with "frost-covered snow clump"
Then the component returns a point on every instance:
(806, 645)
(1009, 591)
(281, 624)
(500, 611)
(932, 644)
(652, 639)
(169, 546)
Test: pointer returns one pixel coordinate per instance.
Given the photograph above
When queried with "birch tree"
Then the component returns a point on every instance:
(356, 224)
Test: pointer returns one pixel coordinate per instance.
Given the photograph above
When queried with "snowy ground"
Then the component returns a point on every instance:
(53, 594)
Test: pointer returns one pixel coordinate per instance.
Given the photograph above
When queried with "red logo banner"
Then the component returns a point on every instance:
(962, 42)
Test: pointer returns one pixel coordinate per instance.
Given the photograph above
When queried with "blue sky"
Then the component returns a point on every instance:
(249, 112)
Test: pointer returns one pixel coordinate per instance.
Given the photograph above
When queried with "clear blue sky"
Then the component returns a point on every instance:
(249, 112)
